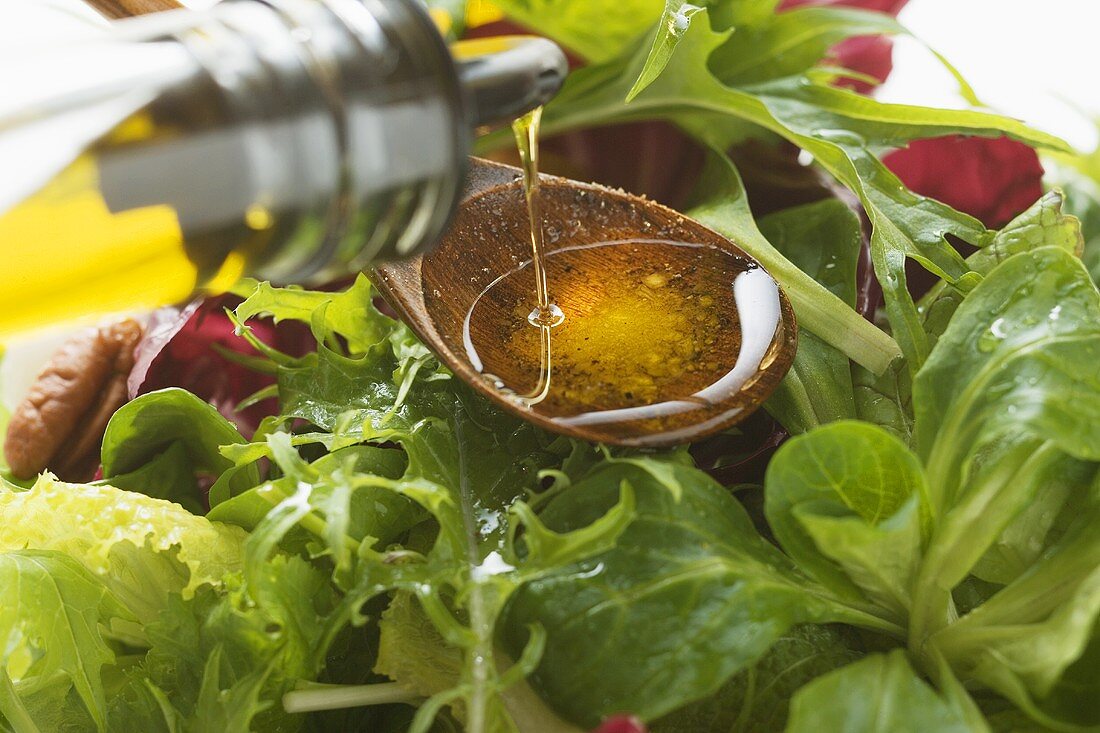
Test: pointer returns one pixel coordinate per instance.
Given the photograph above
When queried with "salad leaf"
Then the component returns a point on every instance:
(215, 660)
(1062, 493)
(169, 476)
(595, 30)
(1025, 350)
(143, 549)
(412, 650)
(1023, 640)
(879, 693)
(690, 595)
(823, 240)
(792, 42)
(53, 620)
(1006, 352)
(756, 699)
(145, 428)
(1044, 224)
(845, 501)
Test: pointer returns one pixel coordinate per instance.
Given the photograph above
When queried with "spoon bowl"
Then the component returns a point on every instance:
(489, 237)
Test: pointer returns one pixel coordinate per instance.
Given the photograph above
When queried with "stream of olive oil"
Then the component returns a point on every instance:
(546, 315)
(619, 331)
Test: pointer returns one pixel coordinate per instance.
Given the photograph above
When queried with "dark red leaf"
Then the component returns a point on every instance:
(180, 349)
(990, 179)
(869, 55)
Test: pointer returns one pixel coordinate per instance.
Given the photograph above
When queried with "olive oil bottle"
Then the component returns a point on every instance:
(289, 140)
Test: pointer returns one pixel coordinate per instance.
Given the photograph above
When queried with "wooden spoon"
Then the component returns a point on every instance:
(489, 236)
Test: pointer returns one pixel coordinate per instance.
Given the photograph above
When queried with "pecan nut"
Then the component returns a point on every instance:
(60, 423)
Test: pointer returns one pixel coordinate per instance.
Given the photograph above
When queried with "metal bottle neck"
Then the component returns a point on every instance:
(344, 108)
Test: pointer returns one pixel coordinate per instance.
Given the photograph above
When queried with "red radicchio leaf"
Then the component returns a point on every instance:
(990, 179)
(622, 724)
(869, 55)
(178, 350)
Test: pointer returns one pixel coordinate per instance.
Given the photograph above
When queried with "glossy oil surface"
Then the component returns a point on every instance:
(651, 328)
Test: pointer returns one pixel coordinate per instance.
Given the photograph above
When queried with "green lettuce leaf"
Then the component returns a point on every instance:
(879, 693)
(756, 699)
(143, 430)
(690, 595)
(53, 621)
(596, 30)
(222, 659)
(846, 501)
(143, 549)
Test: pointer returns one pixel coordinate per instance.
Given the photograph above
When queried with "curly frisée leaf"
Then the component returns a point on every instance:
(218, 660)
(465, 464)
(142, 548)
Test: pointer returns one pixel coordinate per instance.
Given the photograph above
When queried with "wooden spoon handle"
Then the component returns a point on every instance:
(116, 9)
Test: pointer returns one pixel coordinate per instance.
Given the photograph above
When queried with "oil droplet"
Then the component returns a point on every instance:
(549, 318)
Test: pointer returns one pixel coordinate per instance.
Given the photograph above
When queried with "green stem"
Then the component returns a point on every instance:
(309, 522)
(15, 713)
(964, 535)
(819, 311)
(315, 696)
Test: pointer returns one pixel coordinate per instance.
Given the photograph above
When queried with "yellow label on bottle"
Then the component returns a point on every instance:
(482, 12)
(67, 256)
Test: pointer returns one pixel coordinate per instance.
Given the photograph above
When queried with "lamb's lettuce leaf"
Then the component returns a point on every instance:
(689, 595)
(846, 502)
(1024, 345)
(879, 693)
(756, 698)
(1031, 641)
